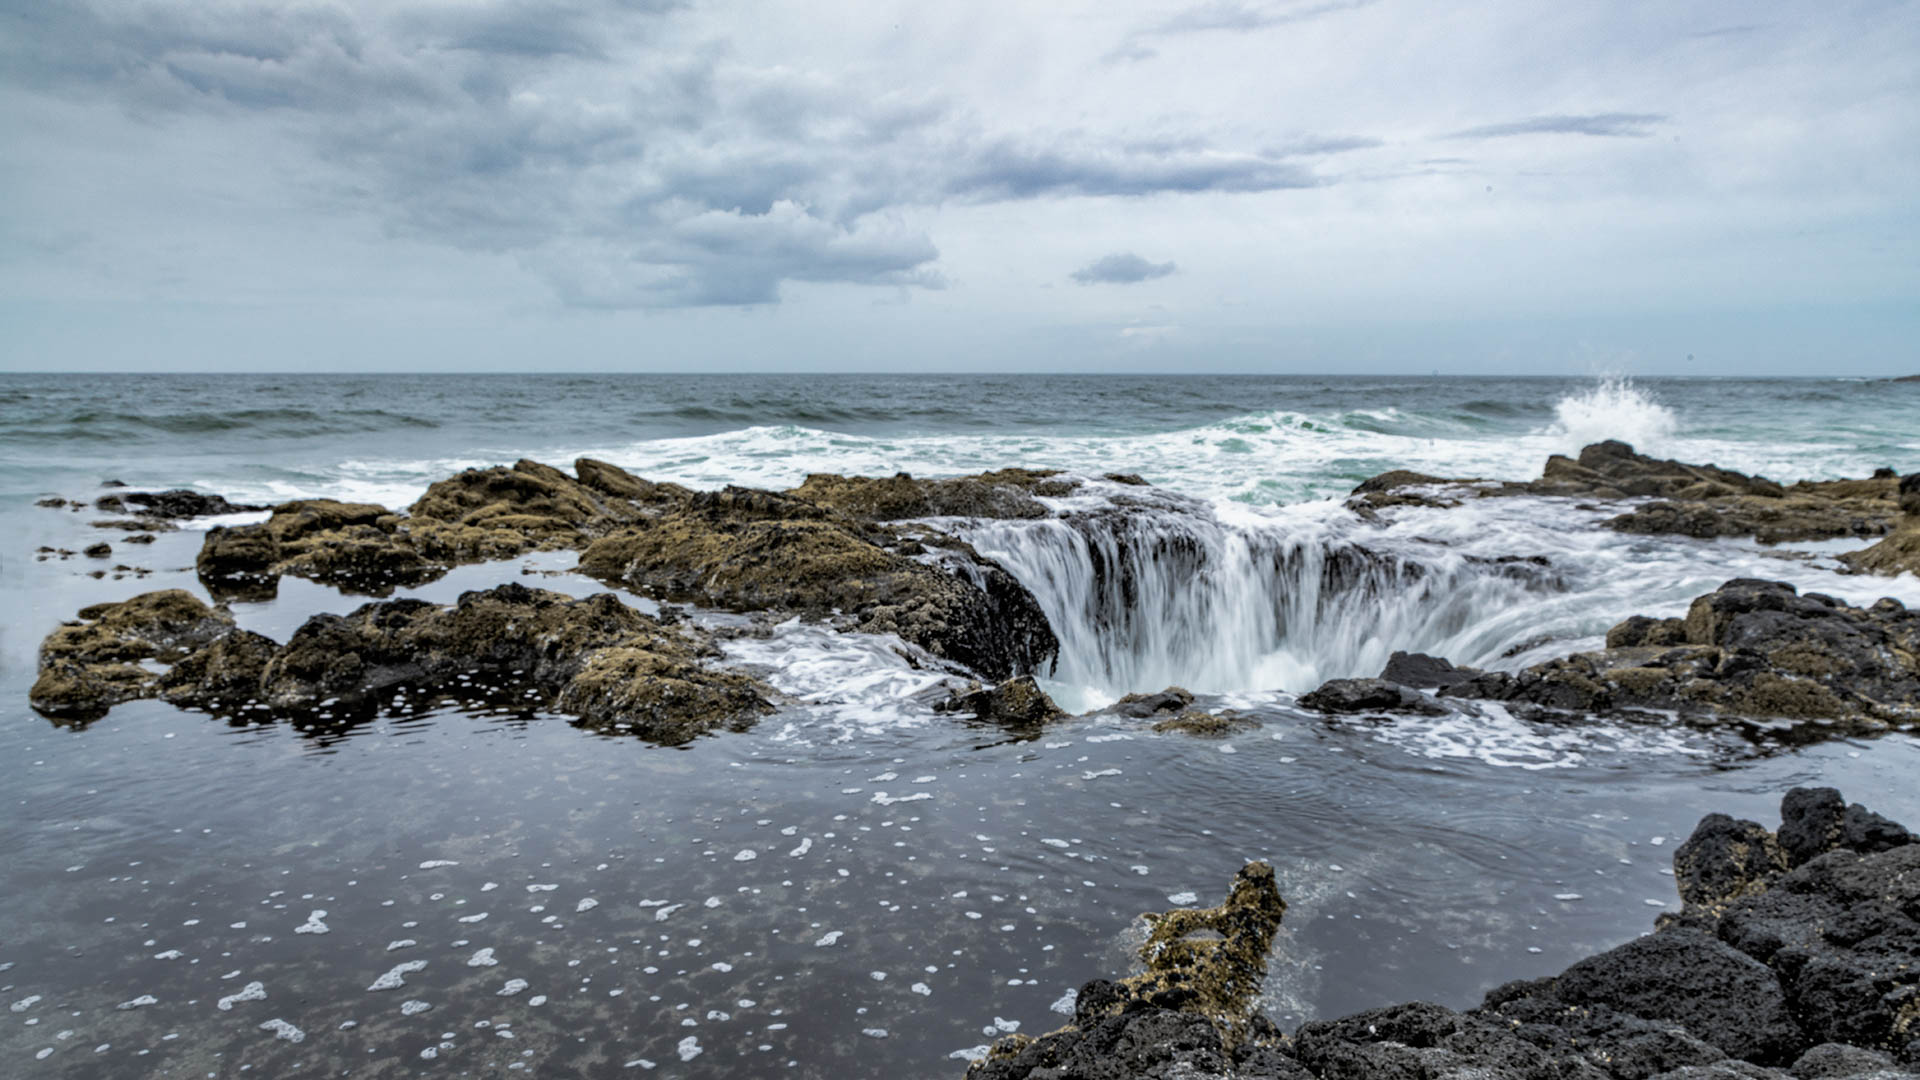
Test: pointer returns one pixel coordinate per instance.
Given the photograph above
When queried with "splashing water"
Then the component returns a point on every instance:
(1614, 408)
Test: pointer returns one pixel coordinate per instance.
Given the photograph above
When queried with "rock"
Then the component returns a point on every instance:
(1424, 672)
(1192, 1013)
(1899, 553)
(747, 550)
(1208, 725)
(1815, 821)
(1833, 988)
(87, 667)
(51, 502)
(1751, 649)
(1171, 701)
(1719, 994)
(1368, 695)
(738, 549)
(1832, 1061)
(1693, 500)
(613, 667)
(141, 538)
(182, 503)
(1007, 493)
(101, 550)
(1726, 859)
(1909, 494)
(1018, 701)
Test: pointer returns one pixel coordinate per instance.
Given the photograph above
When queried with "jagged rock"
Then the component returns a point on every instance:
(1814, 821)
(1766, 974)
(1694, 500)
(596, 658)
(1192, 1013)
(1899, 553)
(1752, 648)
(1018, 701)
(87, 667)
(1424, 672)
(1368, 695)
(747, 550)
(181, 503)
(101, 550)
(1007, 493)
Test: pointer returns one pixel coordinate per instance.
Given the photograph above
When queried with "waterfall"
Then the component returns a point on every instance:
(1169, 594)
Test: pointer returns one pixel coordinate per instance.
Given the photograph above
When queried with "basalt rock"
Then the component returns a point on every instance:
(1767, 973)
(1149, 706)
(1690, 500)
(738, 548)
(97, 662)
(1018, 702)
(595, 658)
(1007, 493)
(1192, 1012)
(1424, 672)
(1751, 648)
(748, 550)
(1368, 695)
(1208, 725)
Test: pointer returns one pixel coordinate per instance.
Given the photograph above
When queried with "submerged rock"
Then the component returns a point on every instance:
(1207, 725)
(596, 658)
(1767, 973)
(1749, 649)
(1018, 702)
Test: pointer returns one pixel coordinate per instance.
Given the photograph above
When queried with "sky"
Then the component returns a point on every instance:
(1505, 186)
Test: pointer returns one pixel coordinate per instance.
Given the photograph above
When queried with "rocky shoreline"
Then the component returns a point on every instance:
(860, 554)
(1795, 956)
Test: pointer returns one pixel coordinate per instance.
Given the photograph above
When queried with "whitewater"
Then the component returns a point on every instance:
(859, 885)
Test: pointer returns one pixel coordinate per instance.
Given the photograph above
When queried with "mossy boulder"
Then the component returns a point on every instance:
(1751, 648)
(615, 668)
(88, 666)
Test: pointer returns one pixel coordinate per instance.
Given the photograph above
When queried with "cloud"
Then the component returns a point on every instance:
(624, 171)
(1226, 15)
(1606, 125)
(1121, 268)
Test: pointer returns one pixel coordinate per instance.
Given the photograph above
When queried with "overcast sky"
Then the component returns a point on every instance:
(1551, 186)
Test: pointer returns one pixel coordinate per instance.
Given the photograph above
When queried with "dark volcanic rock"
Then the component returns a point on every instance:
(1424, 672)
(1766, 974)
(181, 503)
(1148, 706)
(749, 550)
(1751, 648)
(1008, 493)
(1692, 500)
(596, 658)
(1018, 701)
(1368, 695)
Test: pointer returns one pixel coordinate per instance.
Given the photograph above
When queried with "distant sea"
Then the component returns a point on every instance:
(858, 886)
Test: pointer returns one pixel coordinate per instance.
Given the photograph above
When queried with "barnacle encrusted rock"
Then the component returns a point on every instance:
(1687, 500)
(1750, 648)
(739, 548)
(595, 658)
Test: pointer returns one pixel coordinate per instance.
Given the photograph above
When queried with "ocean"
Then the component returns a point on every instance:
(857, 885)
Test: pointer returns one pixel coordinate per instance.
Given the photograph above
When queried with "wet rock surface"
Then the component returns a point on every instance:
(1702, 501)
(1368, 695)
(1749, 649)
(738, 549)
(1018, 702)
(611, 666)
(1778, 965)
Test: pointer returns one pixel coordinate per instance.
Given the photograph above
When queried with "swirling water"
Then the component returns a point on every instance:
(915, 883)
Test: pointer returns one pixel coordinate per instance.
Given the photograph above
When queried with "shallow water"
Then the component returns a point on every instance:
(917, 884)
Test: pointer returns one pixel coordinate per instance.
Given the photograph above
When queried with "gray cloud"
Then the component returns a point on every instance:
(1226, 15)
(1121, 268)
(623, 172)
(1606, 125)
